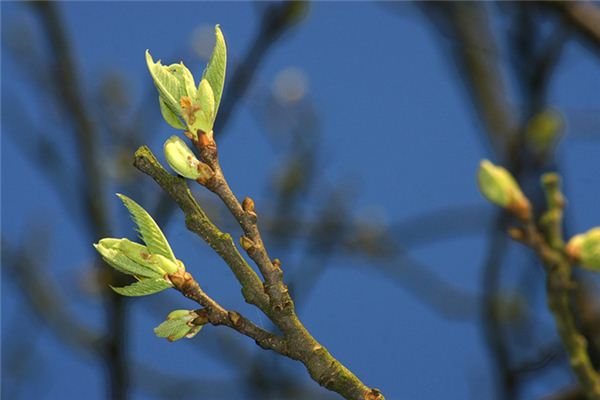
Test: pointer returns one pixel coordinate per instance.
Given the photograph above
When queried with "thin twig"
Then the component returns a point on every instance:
(549, 246)
(279, 307)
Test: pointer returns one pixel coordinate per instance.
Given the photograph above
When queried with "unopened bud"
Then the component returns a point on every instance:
(183, 161)
(179, 324)
(248, 205)
(584, 249)
(246, 243)
(499, 187)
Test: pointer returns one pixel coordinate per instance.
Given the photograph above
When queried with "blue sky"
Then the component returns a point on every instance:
(397, 126)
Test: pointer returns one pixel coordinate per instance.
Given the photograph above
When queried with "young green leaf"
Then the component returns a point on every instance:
(173, 329)
(120, 262)
(132, 250)
(186, 79)
(206, 100)
(143, 287)
(150, 232)
(178, 325)
(169, 116)
(168, 84)
(161, 262)
(215, 70)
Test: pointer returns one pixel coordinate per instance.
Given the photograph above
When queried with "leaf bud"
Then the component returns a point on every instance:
(246, 243)
(183, 161)
(179, 324)
(499, 187)
(584, 249)
(128, 257)
(163, 263)
(134, 251)
(248, 205)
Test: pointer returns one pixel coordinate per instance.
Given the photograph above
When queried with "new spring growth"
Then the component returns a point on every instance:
(134, 258)
(499, 187)
(150, 263)
(183, 105)
(584, 249)
(183, 160)
(179, 324)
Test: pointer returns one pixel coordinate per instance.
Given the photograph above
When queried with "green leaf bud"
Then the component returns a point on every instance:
(161, 262)
(179, 97)
(176, 90)
(110, 250)
(135, 251)
(179, 324)
(499, 187)
(584, 249)
(183, 160)
(199, 111)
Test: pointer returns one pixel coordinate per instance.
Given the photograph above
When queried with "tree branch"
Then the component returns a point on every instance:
(583, 16)
(278, 306)
(197, 221)
(549, 246)
(217, 315)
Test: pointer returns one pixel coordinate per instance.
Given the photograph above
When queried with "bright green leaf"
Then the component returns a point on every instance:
(186, 79)
(120, 262)
(170, 117)
(161, 262)
(150, 232)
(206, 116)
(215, 70)
(134, 251)
(143, 287)
(172, 329)
(168, 84)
